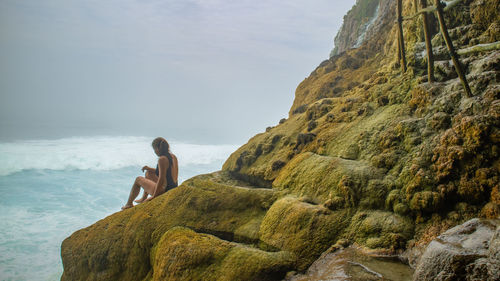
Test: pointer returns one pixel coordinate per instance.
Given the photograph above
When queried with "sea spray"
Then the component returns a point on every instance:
(51, 188)
(100, 153)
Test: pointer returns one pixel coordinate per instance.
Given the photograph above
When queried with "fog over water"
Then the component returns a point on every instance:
(203, 71)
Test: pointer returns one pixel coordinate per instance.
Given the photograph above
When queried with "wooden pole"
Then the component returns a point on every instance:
(401, 38)
(415, 8)
(451, 49)
(399, 51)
(428, 44)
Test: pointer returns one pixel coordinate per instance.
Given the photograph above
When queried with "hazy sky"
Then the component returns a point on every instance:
(205, 71)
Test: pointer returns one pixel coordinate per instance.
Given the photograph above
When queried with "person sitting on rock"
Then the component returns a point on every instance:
(156, 181)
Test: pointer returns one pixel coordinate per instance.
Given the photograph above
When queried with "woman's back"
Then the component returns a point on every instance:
(172, 171)
(175, 168)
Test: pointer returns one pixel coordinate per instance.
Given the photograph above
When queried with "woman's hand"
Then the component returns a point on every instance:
(146, 168)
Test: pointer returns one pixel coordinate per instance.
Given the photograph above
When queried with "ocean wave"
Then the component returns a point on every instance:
(100, 153)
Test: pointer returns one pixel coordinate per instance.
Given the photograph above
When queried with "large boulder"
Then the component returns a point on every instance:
(124, 245)
(465, 252)
(353, 264)
(183, 254)
(302, 228)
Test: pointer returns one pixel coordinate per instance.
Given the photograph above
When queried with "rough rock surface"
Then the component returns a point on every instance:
(183, 254)
(355, 23)
(361, 23)
(465, 252)
(353, 264)
(368, 154)
(140, 243)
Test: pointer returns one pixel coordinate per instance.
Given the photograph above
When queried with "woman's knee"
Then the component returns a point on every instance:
(139, 179)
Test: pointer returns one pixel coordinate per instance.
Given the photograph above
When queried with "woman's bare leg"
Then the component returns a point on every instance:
(143, 198)
(148, 186)
(150, 176)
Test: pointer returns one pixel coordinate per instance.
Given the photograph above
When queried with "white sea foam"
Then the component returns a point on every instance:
(52, 188)
(100, 153)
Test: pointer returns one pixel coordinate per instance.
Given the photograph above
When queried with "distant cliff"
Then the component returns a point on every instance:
(368, 156)
(359, 24)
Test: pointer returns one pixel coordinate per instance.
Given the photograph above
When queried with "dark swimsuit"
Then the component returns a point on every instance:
(170, 181)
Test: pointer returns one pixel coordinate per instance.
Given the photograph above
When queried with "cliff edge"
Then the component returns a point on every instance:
(368, 156)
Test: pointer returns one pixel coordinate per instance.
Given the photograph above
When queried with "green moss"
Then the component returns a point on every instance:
(304, 229)
(374, 194)
(484, 13)
(426, 201)
(119, 246)
(183, 254)
(401, 209)
(254, 160)
(393, 198)
(249, 232)
(345, 135)
(474, 131)
(244, 263)
(387, 159)
(319, 176)
(378, 229)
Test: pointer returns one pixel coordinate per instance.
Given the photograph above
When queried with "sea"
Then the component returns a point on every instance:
(51, 188)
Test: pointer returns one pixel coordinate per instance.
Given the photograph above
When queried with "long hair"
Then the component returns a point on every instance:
(162, 145)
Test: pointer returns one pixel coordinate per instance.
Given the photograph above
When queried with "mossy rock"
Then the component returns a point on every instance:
(374, 193)
(341, 139)
(426, 201)
(485, 12)
(254, 161)
(183, 254)
(302, 228)
(319, 176)
(379, 229)
(118, 247)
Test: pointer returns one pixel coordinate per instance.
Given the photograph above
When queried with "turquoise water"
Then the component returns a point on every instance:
(40, 207)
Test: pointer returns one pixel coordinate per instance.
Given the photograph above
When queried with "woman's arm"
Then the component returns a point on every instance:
(147, 168)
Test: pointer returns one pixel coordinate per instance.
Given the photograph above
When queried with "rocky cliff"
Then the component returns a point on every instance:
(360, 24)
(369, 156)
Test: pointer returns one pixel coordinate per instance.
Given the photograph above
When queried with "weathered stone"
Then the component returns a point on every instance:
(362, 22)
(353, 264)
(304, 229)
(320, 177)
(183, 254)
(351, 152)
(462, 253)
(493, 262)
(380, 230)
(119, 247)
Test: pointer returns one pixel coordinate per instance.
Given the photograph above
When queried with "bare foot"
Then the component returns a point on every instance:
(139, 201)
(127, 207)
